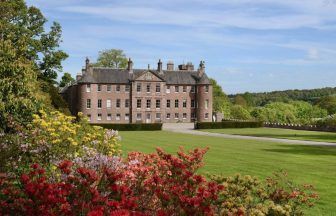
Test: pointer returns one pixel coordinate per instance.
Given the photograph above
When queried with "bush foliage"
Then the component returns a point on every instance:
(228, 124)
(133, 127)
(148, 184)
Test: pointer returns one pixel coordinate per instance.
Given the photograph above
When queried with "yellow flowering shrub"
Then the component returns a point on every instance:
(55, 136)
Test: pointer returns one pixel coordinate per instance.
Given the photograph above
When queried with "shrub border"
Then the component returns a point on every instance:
(228, 124)
(132, 127)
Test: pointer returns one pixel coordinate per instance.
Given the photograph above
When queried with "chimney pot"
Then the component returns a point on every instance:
(160, 66)
(170, 66)
(130, 65)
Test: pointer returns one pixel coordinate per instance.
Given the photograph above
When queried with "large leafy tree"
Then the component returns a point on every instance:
(20, 22)
(29, 61)
(20, 93)
(328, 103)
(221, 102)
(66, 79)
(112, 58)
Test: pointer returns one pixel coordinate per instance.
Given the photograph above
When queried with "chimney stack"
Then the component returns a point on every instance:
(130, 65)
(201, 69)
(78, 76)
(160, 66)
(87, 63)
(170, 66)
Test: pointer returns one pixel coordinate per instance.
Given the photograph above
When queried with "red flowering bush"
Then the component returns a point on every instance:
(144, 184)
(153, 184)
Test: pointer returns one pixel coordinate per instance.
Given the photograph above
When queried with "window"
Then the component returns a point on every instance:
(118, 117)
(88, 117)
(109, 117)
(139, 116)
(108, 103)
(158, 87)
(193, 115)
(168, 103)
(148, 104)
(88, 87)
(148, 87)
(184, 115)
(118, 88)
(184, 88)
(192, 103)
(193, 89)
(118, 103)
(158, 103)
(206, 104)
(127, 116)
(168, 116)
(206, 89)
(184, 103)
(206, 115)
(176, 103)
(167, 89)
(158, 115)
(99, 117)
(127, 88)
(99, 88)
(176, 115)
(138, 103)
(176, 88)
(88, 103)
(99, 103)
(126, 103)
(138, 87)
(108, 88)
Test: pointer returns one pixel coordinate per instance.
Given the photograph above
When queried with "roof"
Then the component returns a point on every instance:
(115, 76)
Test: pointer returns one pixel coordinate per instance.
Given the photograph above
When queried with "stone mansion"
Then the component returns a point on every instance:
(107, 95)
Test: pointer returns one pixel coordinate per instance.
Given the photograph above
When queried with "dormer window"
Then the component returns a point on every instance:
(88, 87)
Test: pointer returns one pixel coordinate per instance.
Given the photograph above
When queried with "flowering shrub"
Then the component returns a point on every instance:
(52, 137)
(146, 184)
(154, 184)
(246, 195)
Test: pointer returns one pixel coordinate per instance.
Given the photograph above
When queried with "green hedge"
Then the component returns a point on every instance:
(228, 124)
(132, 127)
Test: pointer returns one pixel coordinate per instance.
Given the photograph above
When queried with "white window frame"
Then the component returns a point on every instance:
(109, 117)
(88, 104)
(108, 103)
(88, 87)
(99, 116)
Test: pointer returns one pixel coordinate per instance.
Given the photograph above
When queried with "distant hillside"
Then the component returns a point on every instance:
(309, 95)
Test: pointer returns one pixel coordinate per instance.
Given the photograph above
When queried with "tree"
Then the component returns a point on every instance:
(112, 58)
(66, 79)
(221, 101)
(240, 100)
(21, 23)
(20, 93)
(328, 103)
(240, 113)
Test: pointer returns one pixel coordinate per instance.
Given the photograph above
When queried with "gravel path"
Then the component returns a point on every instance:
(188, 128)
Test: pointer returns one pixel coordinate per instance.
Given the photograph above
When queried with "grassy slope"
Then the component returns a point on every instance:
(305, 164)
(279, 133)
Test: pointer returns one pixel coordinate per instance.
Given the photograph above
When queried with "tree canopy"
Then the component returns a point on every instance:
(66, 79)
(112, 58)
(19, 23)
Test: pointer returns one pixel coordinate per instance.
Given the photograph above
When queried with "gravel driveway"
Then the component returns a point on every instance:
(188, 128)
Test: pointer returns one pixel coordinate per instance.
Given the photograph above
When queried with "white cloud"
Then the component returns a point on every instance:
(313, 54)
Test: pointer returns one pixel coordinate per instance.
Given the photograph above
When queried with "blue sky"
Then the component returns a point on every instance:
(247, 45)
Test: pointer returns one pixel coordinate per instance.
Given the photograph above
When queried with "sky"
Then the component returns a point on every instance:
(247, 45)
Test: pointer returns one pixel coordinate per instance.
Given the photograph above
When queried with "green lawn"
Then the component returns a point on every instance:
(305, 164)
(279, 133)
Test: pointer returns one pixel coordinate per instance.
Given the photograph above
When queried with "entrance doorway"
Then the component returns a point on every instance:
(148, 118)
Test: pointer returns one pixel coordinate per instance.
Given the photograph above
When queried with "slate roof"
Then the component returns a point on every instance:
(108, 75)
